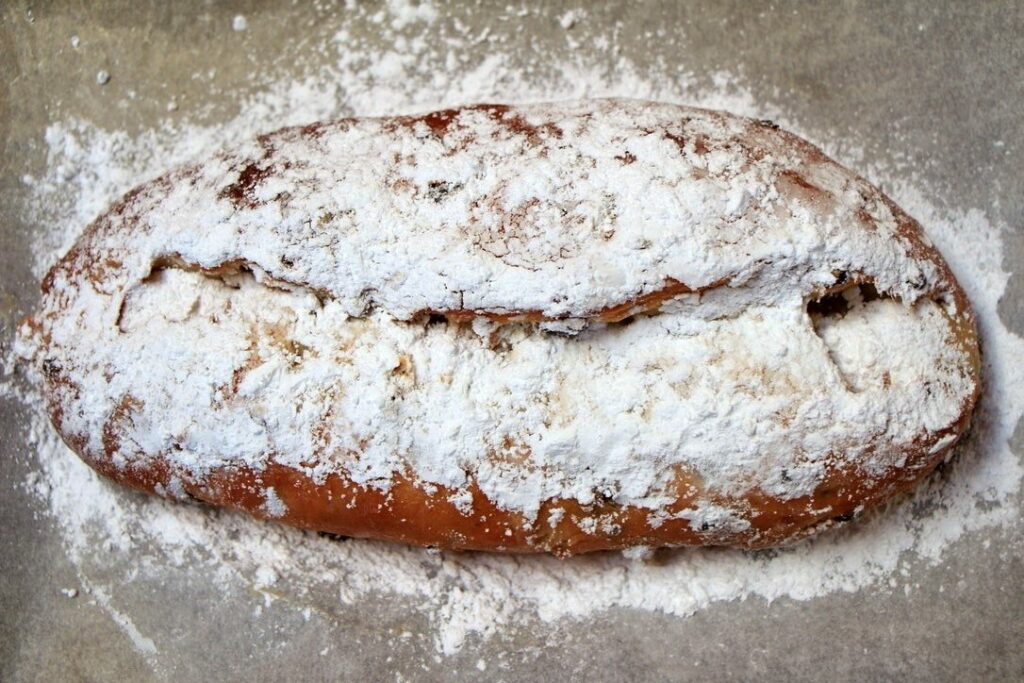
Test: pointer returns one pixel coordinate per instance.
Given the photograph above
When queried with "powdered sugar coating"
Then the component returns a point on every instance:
(562, 209)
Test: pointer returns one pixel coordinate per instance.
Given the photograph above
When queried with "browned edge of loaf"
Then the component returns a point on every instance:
(407, 513)
(410, 512)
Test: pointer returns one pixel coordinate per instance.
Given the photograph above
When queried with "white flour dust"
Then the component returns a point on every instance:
(462, 595)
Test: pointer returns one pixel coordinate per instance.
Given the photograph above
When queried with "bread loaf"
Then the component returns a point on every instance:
(557, 327)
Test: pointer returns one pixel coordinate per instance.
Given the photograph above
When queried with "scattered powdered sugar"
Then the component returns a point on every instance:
(479, 594)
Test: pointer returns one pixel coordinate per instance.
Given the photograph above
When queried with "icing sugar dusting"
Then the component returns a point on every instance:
(473, 594)
(338, 385)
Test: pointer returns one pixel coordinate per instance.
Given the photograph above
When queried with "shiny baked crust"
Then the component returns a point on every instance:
(97, 284)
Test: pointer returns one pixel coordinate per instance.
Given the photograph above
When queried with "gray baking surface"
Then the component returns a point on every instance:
(931, 84)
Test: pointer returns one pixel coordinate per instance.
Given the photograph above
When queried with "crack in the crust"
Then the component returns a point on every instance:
(623, 313)
(835, 302)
